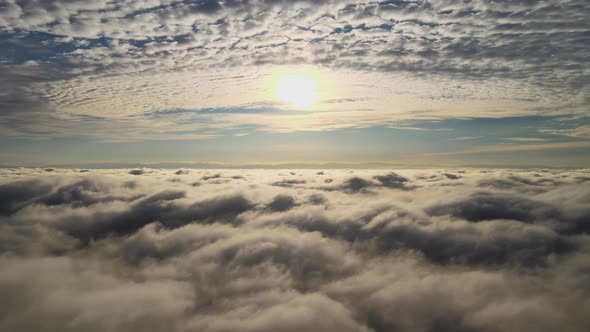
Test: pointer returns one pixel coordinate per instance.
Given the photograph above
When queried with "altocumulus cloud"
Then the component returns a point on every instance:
(414, 250)
(60, 58)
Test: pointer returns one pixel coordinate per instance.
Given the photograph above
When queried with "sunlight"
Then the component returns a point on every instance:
(298, 91)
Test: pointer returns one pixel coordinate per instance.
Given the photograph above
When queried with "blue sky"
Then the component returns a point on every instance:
(394, 82)
(508, 142)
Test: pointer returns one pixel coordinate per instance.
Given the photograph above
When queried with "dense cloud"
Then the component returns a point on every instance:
(414, 250)
(432, 36)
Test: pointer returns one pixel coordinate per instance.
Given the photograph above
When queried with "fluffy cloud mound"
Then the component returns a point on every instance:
(273, 250)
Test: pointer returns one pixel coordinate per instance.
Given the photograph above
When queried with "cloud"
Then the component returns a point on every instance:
(481, 206)
(578, 131)
(393, 180)
(288, 182)
(59, 60)
(281, 203)
(526, 139)
(501, 250)
(359, 184)
(14, 195)
(355, 184)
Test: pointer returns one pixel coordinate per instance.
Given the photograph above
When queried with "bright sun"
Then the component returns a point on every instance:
(298, 91)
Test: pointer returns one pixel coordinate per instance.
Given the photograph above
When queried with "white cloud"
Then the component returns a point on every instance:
(279, 250)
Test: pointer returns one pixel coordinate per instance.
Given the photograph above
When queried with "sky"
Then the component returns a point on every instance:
(303, 83)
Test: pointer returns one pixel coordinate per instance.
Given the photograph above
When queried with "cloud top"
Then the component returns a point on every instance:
(271, 250)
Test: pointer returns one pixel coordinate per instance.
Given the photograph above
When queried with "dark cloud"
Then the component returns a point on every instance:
(112, 251)
(16, 194)
(281, 203)
(288, 182)
(209, 177)
(393, 180)
(522, 184)
(452, 176)
(355, 184)
(481, 206)
(359, 184)
(89, 191)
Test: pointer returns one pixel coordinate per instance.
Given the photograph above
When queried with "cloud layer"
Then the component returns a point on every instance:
(276, 250)
(87, 61)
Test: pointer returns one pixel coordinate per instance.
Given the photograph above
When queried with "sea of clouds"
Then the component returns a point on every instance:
(294, 250)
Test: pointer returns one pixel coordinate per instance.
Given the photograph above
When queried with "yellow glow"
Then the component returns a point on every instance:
(298, 91)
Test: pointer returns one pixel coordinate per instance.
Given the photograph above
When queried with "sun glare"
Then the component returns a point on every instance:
(298, 91)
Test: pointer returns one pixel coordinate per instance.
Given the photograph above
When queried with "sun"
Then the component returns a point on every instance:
(298, 91)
